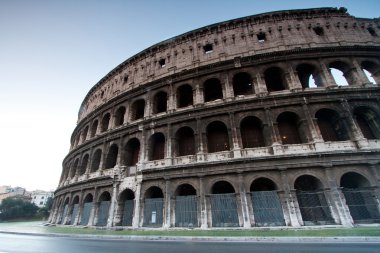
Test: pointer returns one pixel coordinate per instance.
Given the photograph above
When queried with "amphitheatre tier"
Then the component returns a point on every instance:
(242, 123)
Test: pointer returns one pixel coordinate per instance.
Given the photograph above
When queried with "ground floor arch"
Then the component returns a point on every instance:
(186, 206)
(103, 209)
(153, 207)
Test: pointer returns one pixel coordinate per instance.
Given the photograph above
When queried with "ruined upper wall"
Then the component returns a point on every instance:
(257, 34)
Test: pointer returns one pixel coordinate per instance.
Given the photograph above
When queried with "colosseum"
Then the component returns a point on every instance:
(242, 123)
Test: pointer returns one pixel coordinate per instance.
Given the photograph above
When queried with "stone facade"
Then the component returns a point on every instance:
(236, 124)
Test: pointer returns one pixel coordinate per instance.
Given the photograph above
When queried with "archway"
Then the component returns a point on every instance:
(74, 210)
(186, 214)
(223, 205)
(153, 207)
(103, 208)
(86, 211)
(266, 204)
(252, 133)
(312, 201)
(126, 207)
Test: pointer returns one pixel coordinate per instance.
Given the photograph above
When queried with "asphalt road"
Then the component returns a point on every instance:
(12, 243)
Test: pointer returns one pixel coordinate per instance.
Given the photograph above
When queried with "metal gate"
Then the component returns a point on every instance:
(224, 210)
(104, 207)
(85, 217)
(153, 212)
(64, 213)
(267, 209)
(362, 205)
(314, 208)
(186, 211)
(74, 213)
(129, 206)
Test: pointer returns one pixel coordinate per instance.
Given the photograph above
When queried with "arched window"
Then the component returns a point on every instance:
(212, 89)
(242, 84)
(185, 141)
(217, 137)
(160, 102)
(126, 207)
(84, 134)
(86, 211)
(83, 165)
(119, 116)
(96, 160)
(103, 208)
(372, 71)
(112, 157)
(252, 133)
(137, 109)
(186, 206)
(274, 79)
(288, 128)
(105, 122)
(308, 76)
(153, 207)
(75, 209)
(94, 128)
(73, 170)
(341, 74)
(368, 122)
(331, 125)
(132, 151)
(157, 145)
(184, 96)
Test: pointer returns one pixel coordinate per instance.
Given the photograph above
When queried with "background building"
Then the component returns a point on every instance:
(242, 123)
(39, 197)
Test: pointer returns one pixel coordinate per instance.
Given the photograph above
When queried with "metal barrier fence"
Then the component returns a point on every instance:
(362, 205)
(224, 210)
(85, 217)
(64, 213)
(153, 212)
(74, 213)
(267, 209)
(314, 208)
(186, 211)
(129, 206)
(104, 207)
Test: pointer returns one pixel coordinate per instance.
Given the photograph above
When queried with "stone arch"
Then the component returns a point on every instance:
(103, 208)
(274, 79)
(212, 89)
(186, 206)
(153, 207)
(312, 201)
(368, 122)
(87, 207)
(94, 128)
(251, 130)
(105, 122)
(84, 163)
(75, 209)
(217, 137)
(84, 133)
(242, 84)
(157, 146)
(132, 152)
(126, 207)
(160, 102)
(372, 71)
(263, 184)
(137, 109)
(331, 125)
(338, 68)
(184, 96)
(111, 158)
(309, 75)
(185, 141)
(74, 168)
(65, 210)
(96, 159)
(289, 128)
(119, 116)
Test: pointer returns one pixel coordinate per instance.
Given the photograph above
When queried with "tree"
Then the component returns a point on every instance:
(13, 208)
(45, 210)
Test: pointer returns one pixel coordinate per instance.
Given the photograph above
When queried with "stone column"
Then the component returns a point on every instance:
(202, 204)
(234, 137)
(228, 91)
(273, 133)
(113, 205)
(199, 98)
(136, 214)
(171, 98)
(291, 198)
(148, 104)
(93, 214)
(359, 73)
(244, 204)
(167, 206)
(169, 145)
(200, 141)
(260, 87)
(326, 76)
(294, 83)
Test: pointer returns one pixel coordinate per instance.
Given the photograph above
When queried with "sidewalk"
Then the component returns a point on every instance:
(38, 228)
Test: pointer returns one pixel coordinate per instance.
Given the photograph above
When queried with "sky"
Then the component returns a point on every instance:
(52, 53)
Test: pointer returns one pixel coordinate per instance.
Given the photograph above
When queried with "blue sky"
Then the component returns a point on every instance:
(53, 52)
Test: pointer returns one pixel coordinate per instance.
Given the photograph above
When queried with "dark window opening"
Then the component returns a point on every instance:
(127, 195)
(217, 137)
(222, 187)
(252, 133)
(157, 145)
(138, 109)
(83, 165)
(341, 74)
(106, 196)
(185, 190)
(160, 102)
(74, 168)
(288, 128)
(212, 90)
(185, 141)
(112, 157)
(274, 79)
(318, 31)
(353, 180)
(372, 31)
(125, 78)
(307, 183)
(368, 122)
(153, 193)
(184, 96)
(261, 37)
(242, 84)
(207, 48)
(105, 122)
(96, 160)
(119, 116)
(263, 184)
(162, 63)
(308, 76)
(132, 150)
(89, 198)
(94, 127)
(84, 134)
(331, 125)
